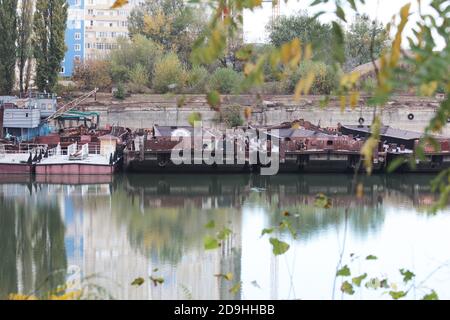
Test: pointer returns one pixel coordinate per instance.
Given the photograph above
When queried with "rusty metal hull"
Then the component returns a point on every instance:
(431, 164)
(152, 166)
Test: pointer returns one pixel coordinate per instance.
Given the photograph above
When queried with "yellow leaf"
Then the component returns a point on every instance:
(429, 88)
(247, 112)
(285, 52)
(343, 101)
(396, 45)
(18, 296)
(359, 191)
(308, 51)
(354, 99)
(119, 4)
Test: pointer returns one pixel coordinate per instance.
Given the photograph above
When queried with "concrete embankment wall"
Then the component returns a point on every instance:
(273, 110)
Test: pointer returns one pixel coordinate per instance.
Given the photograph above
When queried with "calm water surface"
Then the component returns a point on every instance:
(102, 233)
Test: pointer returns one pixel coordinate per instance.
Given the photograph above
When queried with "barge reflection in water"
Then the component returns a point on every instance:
(124, 227)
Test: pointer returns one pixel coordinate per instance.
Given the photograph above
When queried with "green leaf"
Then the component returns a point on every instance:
(210, 225)
(210, 243)
(228, 276)
(396, 163)
(235, 289)
(157, 280)
(138, 281)
(224, 233)
(357, 280)
(431, 296)
(340, 13)
(397, 294)
(279, 247)
(347, 288)
(322, 201)
(407, 275)
(267, 231)
(343, 272)
(371, 257)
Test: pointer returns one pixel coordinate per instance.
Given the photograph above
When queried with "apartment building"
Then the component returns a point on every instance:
(92, 30)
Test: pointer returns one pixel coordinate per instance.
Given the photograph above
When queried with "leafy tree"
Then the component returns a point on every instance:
(326, 78)
(307, 29)
(24, 48)
(49, 26)
(8, 37)
(364, 39)
(92, 74)
(139, 50)
(225, 80)
(170, 23)
(197, 79)
(139, 78)
(169, 74)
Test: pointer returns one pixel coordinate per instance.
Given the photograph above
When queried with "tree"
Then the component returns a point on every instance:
(129, 54)
(170, 23)
(49, 26)
(169, 74)
(308, 29)
(8, 37)
(24, 49)
(364, 38)
(91, 74)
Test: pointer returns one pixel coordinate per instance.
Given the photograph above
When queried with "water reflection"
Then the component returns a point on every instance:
(122, 228)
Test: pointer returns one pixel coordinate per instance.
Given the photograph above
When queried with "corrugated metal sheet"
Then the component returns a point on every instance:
(21, 118)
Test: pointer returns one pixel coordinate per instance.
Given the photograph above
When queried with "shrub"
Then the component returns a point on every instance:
(325, 78)
(169, 74)
(197, 79)
(129, 54)
(225, 81)
(138, 78)
(120, 92)
(231, 116)
(92, 74)
(194, 117)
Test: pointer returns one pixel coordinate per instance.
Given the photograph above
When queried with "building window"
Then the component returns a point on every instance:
(77, 58)
(77, 36)
(62, 70)
(77, 47)
(92, 23)
(88, 45)
(91, 12)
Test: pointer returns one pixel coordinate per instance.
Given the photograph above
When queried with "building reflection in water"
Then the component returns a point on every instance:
(114, 231)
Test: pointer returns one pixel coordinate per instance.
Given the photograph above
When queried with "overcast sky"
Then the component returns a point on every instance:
(383, 10)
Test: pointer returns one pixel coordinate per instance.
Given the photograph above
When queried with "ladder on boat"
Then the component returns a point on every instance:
(71, 105)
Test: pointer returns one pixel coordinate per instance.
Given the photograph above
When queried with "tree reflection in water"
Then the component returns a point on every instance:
(160, 220)
(32, 247)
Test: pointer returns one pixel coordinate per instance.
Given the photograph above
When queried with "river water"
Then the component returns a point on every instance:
(101, 233)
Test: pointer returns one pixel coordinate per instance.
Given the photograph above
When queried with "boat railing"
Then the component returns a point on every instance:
(31, 148)
(83, 150)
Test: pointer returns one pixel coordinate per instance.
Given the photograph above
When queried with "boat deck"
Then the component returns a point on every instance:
(92, 159)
